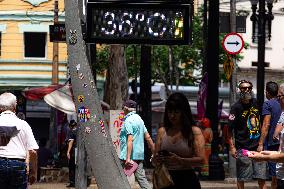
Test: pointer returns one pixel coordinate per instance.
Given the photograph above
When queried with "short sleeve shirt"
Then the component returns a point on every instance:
(272, 107)
(22, 141)
(73, 136)
(244, 119)
(133, 125)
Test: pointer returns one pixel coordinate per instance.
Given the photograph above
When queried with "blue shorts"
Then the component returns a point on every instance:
(272, 165)
(248, 169)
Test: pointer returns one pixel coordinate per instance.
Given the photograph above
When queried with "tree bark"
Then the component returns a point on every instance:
(117, 83)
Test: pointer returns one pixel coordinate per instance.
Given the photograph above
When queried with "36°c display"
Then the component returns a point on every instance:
(138, 23)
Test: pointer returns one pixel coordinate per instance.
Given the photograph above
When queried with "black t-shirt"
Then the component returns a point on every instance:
(72, 136)
(244, 119)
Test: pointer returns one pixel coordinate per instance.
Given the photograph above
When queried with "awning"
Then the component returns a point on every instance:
(39, 92)
(57, 96)
(61, 99)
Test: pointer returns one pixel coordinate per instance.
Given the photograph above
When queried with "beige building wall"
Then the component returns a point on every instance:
(14, 67)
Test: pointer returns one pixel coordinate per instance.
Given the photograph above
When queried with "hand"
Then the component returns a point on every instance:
(257, 156)
(259, 148)
(32, 179)
(233, 152)
(172, 159)
(128, 163)
(277, 131)
(28, 168)
(68, 155)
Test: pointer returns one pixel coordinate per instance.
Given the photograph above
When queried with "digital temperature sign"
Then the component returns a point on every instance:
(138, 23)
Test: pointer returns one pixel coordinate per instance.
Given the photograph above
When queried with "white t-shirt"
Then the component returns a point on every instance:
(20, 143)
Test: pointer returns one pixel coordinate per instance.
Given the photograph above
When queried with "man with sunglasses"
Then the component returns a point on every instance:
(244, 122)
(271, 111)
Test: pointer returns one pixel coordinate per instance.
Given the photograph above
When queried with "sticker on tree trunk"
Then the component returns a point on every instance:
(103, 131)
(81, 98)
(84, 114)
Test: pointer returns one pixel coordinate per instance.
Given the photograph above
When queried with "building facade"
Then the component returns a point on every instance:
(274, 51)
(26, 54)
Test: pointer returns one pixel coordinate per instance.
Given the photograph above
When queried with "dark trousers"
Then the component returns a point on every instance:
(72, 167)
(184, 179)
(280, 184)
(13, 174)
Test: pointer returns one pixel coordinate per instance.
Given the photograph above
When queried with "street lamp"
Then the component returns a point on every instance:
(259, 19)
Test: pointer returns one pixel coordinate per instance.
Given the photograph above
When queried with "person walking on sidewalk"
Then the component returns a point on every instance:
(244, 122)
(180, 144)
(132, 136)
(71, 152)
(17, 145)
(271, 111)
(276, 156)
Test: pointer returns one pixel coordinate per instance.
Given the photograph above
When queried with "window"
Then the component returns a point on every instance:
(256, 33)
(35, 44)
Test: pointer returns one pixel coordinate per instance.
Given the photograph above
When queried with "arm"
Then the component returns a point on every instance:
(33, 162)
(129, 149)
(199, 145)
(230, 141)
(28, 162)
(70, 144)
(264, 131)
(150, 142)
(160, 133)
(268, 156)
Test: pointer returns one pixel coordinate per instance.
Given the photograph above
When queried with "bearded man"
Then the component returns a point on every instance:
(244, 122)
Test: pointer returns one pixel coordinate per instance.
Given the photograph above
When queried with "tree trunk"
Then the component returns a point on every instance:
(98, 144)
(117, 83)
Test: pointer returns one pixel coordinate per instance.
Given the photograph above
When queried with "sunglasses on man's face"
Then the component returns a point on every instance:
(280, 97)
(246, 88)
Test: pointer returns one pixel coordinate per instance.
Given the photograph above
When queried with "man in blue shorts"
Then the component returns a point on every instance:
(271, 111)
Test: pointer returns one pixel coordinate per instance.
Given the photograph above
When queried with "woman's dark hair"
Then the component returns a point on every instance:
(178, 101)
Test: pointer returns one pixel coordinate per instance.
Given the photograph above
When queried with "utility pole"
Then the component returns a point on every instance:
(213, 68)
(216, 170)
(261, 53)
(55, 49)
(232, 161)
(54, 81)
(146, 93)
(100, 151)
(205, 30)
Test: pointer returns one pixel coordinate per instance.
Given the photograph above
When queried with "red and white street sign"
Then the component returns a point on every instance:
(233, 43)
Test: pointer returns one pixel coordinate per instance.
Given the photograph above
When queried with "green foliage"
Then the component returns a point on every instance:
(189, 58)
(102, 59)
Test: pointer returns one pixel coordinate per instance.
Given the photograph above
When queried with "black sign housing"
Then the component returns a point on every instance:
(139, 22)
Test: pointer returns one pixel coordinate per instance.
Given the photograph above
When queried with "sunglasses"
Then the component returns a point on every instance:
(245, 88)
(279, 96)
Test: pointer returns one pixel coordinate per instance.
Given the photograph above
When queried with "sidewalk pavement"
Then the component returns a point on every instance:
(204, 184)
